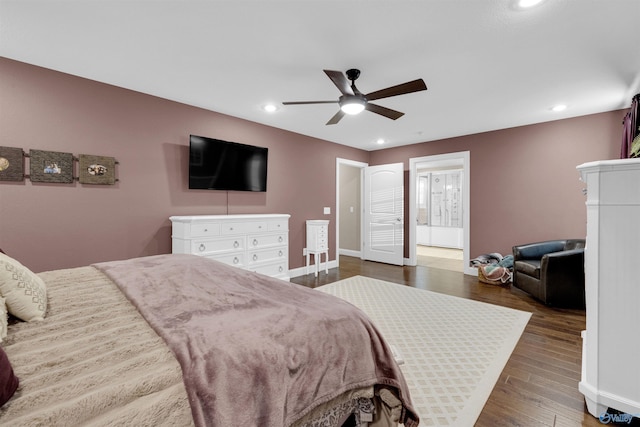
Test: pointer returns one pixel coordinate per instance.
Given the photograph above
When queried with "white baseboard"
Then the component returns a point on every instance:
(350, 252)
(302, 271)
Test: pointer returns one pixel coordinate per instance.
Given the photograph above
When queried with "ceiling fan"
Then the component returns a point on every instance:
(352, 101)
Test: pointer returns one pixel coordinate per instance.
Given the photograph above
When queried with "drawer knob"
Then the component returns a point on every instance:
(236, 244)
(280, 239)
(202, 247)
(255, 257)
(280, 253)
(206, 229)
(255, 242)
(236, 260)
(280, 269)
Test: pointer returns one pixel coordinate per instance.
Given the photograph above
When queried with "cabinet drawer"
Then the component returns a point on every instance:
(205, 247)
(260, 241)
(282, 225)
(205, 229)
(267, 255)
(243, 227)
(235, 259)
(318, 243)
(273, 270)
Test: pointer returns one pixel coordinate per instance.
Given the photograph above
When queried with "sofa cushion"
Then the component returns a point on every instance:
(530, 267)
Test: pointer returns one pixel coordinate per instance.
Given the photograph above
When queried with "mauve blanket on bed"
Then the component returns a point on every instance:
(255, 351)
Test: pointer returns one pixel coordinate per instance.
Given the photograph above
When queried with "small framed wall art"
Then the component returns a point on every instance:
(96, 169)
(11, 164)
(51, 166)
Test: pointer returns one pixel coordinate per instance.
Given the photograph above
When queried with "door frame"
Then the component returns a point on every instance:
(466, 206)
(354, 163)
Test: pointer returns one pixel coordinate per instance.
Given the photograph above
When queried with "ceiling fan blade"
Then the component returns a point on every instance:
(336, 118)
(384, 111)
(308, 102)
(340, 81)
(401, 89)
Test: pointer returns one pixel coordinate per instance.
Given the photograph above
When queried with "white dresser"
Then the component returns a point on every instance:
(317, 243)
(258, 243)
(611, 341)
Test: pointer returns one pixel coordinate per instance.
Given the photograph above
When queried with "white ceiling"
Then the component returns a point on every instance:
(487, 64)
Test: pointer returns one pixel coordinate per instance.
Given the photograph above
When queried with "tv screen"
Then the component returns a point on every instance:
(222, 165)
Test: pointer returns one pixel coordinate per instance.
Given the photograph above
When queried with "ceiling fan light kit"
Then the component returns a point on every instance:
(352, 101)
(352, 105)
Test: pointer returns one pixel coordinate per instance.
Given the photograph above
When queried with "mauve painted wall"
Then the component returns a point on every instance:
(524, 183)
(51, 226)
(524, 186)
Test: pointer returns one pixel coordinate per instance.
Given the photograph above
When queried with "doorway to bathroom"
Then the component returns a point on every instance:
(439, 211)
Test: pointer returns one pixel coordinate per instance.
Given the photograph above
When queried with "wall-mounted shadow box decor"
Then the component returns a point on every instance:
(51, 166)
(11, 164)
(96, 169)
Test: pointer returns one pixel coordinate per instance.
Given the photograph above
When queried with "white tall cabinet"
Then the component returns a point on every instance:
(258, 243)
(317, 243)
(611, 341)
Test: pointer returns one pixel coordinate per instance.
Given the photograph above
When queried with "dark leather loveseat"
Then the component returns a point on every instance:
(551, 271)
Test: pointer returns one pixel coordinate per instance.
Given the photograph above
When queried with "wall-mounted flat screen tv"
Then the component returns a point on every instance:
(222, 165)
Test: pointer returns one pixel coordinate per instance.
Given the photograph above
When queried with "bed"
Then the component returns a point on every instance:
(182, 340)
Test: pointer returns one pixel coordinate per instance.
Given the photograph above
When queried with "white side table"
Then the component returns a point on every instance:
(318, 243)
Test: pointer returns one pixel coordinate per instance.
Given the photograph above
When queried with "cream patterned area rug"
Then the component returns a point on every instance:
(453, 349)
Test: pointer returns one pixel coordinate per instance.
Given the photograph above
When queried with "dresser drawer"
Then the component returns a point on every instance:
(263, 240)
(243, 227)
(274, 270)
(267, 255)
(206, 247)
(278, 225)
(205, 230)
(235, 259)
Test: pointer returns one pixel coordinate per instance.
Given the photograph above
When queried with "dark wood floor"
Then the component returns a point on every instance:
(539, 384)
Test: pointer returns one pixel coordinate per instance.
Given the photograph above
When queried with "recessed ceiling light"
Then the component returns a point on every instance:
(379, 141)
(559, 107)
(526, 4)
(270, 108)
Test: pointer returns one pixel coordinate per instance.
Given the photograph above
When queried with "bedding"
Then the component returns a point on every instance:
(93, 360)
(25, 293)
(8, 380)
(182, 340)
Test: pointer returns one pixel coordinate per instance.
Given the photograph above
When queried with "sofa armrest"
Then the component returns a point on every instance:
(563, 276)
(572, 261)
(537, 250)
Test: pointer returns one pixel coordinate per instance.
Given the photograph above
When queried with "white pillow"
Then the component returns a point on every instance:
(24, 292)
(3, 319)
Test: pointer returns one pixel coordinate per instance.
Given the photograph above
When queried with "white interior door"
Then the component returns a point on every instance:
(383, 213)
